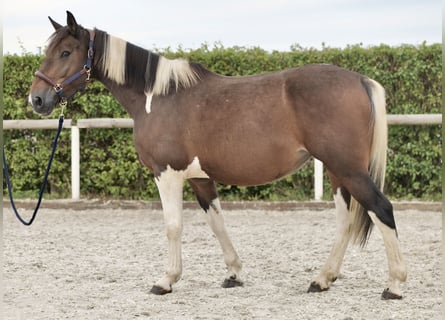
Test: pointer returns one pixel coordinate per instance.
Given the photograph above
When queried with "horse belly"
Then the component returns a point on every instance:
(252, 168)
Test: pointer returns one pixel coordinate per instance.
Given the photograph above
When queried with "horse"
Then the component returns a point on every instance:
(193, 124)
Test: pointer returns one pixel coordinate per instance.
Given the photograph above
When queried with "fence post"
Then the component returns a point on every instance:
(318, 179)
(75, 163)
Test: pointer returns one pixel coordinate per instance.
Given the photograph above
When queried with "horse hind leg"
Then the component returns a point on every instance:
(331, 269)
(207, 196)
(380, 212)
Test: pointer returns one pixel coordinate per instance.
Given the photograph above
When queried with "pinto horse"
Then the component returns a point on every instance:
(192, 124)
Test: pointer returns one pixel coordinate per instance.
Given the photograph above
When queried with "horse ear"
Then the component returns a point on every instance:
(55, 24)
(72, 24)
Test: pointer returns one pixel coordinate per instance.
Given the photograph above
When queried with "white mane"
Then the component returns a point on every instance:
(177, 72)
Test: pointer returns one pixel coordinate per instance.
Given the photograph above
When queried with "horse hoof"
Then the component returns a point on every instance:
(231, 283)
(388, 295)
(315, 287)
(159, 290)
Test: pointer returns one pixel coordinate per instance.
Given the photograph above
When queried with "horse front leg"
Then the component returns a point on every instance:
(216, 221)
(170, 186)
(207, 196)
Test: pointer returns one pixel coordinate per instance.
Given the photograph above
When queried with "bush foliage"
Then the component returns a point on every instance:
(412, 76)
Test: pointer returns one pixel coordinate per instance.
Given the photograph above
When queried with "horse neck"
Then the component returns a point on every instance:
(126, 95)
(131, 73)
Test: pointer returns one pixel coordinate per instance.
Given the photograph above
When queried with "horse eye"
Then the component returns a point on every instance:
(65, 54)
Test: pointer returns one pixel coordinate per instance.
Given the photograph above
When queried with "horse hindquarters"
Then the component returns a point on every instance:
(368, 205)
(377, 205)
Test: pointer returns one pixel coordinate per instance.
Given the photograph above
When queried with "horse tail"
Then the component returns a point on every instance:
(379, 146)
(361, 222)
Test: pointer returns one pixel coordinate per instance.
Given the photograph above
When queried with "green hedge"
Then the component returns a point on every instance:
(412, 76)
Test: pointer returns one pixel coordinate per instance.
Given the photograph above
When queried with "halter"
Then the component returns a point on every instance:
(58, 87)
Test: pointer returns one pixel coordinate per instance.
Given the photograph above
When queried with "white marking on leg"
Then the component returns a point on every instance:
(170, 184)
(216, 221)
(331, 268)
(396, 263)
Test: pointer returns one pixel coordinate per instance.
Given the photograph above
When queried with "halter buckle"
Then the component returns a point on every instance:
(63, 102)
(88, 72)
(58, 88)
(90, 53)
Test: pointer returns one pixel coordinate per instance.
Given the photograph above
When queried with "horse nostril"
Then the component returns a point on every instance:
(37, 101)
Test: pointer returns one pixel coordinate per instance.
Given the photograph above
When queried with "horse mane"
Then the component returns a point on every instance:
(133, 66)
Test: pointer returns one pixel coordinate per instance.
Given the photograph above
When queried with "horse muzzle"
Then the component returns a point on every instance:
(44, 102)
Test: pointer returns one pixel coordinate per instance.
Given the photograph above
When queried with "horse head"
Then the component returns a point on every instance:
(59, 78)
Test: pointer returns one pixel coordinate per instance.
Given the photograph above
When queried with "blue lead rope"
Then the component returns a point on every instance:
(42, 188)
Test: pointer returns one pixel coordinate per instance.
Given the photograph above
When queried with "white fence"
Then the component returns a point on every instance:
(412, 119)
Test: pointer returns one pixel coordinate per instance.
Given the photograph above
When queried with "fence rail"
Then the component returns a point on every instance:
(395, 119)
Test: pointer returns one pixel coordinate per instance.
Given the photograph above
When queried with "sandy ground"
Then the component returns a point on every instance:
(101, 264)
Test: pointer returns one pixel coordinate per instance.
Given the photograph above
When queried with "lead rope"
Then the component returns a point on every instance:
(42, 188)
